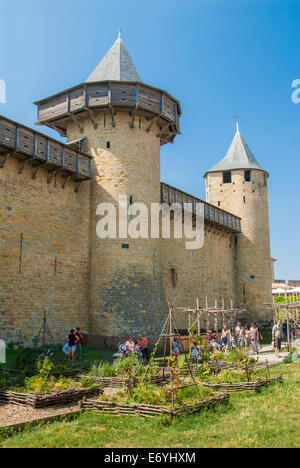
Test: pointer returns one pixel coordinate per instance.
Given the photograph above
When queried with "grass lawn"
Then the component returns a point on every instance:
(270, 418)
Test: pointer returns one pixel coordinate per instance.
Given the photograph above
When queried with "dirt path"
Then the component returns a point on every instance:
(13, 414)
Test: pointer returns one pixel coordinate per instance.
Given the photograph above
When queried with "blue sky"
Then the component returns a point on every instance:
(219, 58)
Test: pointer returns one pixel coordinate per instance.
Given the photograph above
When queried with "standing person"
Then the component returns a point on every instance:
(66, 350)
(226, 337)
(254, 337)
(130, 345)
(239, 334)
(284, 330)
(277, 337)
(260, 337)
(143, 345)
(79, 340)
(247, 337)
(71, 345)
(195, 352)
(176, 347)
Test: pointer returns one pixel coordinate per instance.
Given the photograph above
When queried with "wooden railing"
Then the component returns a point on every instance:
(212, 214)
(27, 144)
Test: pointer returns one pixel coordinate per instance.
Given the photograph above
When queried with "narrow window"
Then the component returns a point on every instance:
(219, 203)
(235, 240)
(173, 277)
(244, 293)
(108, 144)
(244, 198)
(247, 176)
(21, 253)
(226, 177)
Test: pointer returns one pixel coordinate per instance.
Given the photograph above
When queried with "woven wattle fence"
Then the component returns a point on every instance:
(150, 411)
(62, 397)
(241, 386)
(222, 365)
(118, 382)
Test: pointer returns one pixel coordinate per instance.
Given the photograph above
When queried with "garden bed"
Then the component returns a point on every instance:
(36, 400)
(151, 411)
(119, 382)
(241, 386)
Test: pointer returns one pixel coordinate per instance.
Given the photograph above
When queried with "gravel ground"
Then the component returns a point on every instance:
(14, 414)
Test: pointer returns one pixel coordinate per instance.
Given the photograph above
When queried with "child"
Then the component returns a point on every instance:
(177, 347)
(195, 352)
(66, 350)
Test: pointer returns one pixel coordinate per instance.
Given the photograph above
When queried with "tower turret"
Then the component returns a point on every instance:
(238, 184)
(123, 122)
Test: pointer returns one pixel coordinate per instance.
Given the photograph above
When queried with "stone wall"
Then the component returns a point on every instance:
(44, 253)
(207, 272)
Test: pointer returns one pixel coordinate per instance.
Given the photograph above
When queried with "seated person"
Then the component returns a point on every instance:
(143, 346)
(122, 351)
(130, 345)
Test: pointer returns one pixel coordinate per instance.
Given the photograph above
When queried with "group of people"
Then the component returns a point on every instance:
(74, 344)
(131, 347)
(243, 337)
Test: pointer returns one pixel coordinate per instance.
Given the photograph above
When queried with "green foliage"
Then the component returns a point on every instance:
(3, 379)
(283, 299)
(46, 383)
(236, 355)
(102, 369)
(127, 367)
(203, 372)
(44, 367)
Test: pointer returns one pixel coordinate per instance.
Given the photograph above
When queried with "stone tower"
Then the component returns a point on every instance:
(123, 122)
(238, 184)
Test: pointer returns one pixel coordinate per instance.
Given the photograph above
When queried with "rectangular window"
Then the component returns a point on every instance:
(173, 278)
(226, 177)
(247, 176)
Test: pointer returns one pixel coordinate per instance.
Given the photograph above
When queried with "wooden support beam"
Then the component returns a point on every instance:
(65, 180)
(77, 186)
(131, 124)
(77, 122)
(151, 124)
(113, 113)
(92, 116)
(50, 176)
(4, 159)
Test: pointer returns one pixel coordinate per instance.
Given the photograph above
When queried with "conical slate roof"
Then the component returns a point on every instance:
(239, 156)
(116, 65)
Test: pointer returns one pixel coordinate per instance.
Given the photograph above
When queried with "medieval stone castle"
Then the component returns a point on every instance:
(51, 258)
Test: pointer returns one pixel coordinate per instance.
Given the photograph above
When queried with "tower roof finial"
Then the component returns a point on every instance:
(119, 33)
(237, 124)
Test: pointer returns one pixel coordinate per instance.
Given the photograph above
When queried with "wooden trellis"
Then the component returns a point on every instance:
(291, 311)
(168, 333)
(213, 318)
